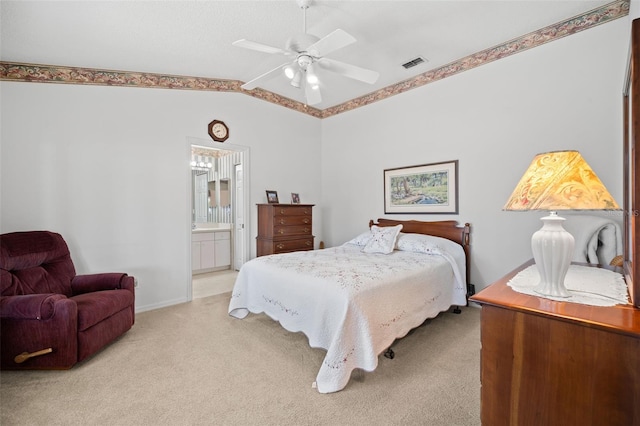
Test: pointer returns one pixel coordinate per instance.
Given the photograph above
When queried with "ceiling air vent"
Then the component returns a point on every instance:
(412, 63)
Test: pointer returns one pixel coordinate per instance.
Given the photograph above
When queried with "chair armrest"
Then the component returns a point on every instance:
(31, 306)
(97, 282)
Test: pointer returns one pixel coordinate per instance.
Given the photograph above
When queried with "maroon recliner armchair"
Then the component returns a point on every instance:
(51, 318)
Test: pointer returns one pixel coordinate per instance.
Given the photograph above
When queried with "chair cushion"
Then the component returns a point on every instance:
(97, 306)
(35, 262)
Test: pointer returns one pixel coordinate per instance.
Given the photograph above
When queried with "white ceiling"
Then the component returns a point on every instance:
(193, 38)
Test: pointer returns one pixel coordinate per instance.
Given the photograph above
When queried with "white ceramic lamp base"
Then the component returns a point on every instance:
(552, 248)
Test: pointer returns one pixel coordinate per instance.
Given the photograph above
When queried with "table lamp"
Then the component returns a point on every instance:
(559, 180)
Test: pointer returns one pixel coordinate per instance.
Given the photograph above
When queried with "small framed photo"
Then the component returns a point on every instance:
(295, 198)
(272, 197)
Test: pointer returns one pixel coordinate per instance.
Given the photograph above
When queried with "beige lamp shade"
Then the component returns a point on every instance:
(560, 180)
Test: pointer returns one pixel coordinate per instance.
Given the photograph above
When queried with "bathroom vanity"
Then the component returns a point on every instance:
(210, 249)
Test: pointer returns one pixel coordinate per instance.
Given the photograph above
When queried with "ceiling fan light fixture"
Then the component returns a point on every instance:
(297, 78)
(289, 72)
(312, 78)
(304, 61)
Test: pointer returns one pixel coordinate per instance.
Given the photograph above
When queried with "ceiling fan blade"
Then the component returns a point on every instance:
(248, 44)
(330, 43)
(252, 84)
(348, 70)
(312, 93)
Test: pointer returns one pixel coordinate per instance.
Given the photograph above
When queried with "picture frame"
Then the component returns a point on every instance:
(295, 198)
(272, 197)
(422, 189)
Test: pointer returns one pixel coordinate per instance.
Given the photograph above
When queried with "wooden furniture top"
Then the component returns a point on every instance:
(622, 319)
(285, 205)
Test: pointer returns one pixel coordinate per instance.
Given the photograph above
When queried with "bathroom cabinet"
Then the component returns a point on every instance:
(210, 251)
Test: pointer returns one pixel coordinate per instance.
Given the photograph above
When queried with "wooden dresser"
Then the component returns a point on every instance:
(557, 363)
(284, 228)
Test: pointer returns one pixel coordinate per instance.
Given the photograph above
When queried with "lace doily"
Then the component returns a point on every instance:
(587, 285)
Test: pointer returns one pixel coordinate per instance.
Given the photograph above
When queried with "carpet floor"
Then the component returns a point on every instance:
(193, 364)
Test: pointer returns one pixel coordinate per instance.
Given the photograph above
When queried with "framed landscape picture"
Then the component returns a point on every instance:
(424, 189)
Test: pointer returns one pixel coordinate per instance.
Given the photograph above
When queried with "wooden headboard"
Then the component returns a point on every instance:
(448, 229)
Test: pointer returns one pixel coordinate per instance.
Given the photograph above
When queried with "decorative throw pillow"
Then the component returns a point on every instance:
(383, 239)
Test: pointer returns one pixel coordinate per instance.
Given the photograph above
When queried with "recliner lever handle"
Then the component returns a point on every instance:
(26, 355)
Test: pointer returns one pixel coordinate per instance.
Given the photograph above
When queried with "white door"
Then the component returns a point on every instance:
(201, 195)
(238, 239)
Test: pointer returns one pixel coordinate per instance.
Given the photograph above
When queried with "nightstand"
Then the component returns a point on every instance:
(557, 363)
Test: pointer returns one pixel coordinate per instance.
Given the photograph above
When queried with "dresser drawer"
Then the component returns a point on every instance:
(291, 211)
(293, 245)
(292, 220)
(283, 231)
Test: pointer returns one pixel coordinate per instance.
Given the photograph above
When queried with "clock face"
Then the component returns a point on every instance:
(218, 131)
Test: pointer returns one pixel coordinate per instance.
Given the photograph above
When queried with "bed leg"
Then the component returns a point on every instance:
(457, 310)
(389, 353)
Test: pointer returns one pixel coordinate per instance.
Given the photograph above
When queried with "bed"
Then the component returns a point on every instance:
(356, 299)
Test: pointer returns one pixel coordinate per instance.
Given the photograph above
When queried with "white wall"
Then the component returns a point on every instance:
(493, 119)
(107, 167)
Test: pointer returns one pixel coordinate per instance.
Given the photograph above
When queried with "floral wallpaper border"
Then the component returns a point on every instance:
(12, 71)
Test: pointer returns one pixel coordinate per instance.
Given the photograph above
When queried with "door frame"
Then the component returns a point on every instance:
(246, 167)
(238, 261)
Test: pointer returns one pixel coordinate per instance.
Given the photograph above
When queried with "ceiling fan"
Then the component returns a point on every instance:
(306, 52)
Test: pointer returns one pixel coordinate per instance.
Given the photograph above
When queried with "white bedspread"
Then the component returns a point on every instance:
(350, 303)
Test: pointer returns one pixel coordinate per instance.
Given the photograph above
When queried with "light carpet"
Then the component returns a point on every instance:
(192, 364)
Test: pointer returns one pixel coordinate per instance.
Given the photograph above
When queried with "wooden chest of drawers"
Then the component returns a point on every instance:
(284, 228)
(546, 362)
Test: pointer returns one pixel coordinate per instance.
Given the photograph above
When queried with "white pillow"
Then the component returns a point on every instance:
(420, 243)
(430, 244)
(361, 240)
(383, 239)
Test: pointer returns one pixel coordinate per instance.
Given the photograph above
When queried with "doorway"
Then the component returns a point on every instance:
(217, 197)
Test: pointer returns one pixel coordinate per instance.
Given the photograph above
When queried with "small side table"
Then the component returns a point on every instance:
(557, 363)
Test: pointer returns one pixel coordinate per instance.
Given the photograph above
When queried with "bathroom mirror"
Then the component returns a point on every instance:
(210, 183)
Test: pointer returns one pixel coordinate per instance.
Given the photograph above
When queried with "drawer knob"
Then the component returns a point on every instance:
(280, 246)
(282, 221)
(281, 211)
(306, 230)
(306, 220)
(281, 231)
(308, 243)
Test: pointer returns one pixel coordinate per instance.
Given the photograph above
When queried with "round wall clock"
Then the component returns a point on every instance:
(218, 131)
